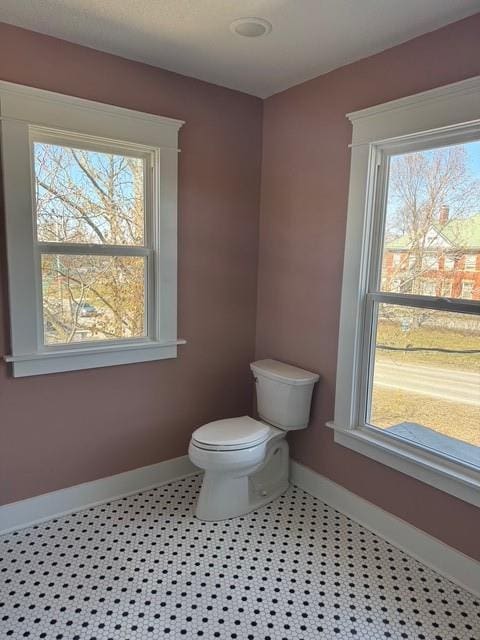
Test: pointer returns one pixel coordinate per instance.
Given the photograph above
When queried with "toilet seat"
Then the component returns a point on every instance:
(232, 434)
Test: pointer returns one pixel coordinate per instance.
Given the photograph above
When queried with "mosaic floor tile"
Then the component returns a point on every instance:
(143, 568)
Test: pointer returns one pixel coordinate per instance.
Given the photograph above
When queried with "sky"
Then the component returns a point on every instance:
(473, 154)
(456, 196)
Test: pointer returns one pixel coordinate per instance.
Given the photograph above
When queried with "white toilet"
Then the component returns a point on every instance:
(246, 460)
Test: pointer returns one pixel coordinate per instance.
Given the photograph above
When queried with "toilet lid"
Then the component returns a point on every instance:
(233, 433)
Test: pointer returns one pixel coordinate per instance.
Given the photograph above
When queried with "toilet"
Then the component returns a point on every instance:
(246, 460)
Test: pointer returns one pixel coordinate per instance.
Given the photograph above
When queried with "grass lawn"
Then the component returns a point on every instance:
(456, 420)
(389, 333)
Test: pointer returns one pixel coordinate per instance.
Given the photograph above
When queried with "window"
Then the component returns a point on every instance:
(95, 187)
(467, 289)
(397, 259)
(408, 378)
(470, 262)
(428, 287)
(93, 243)
(406, 286)
(395, 284)
(449, 263)
(447, 289)
(429, 262)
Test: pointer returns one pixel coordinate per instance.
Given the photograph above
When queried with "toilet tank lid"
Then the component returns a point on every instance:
(282, 372)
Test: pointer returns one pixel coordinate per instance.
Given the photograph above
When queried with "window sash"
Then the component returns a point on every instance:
(99, 250)
(373, 250)
(102, 145)
(369, 346)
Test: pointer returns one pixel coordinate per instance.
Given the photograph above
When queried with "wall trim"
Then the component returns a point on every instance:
(24, 513)
(438, 471)
(460, 88)
(15, 91)
(450, 563)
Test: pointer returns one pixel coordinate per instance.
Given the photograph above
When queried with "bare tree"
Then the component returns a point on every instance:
(428, 190)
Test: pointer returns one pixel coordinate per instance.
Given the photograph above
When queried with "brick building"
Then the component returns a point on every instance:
(445, 263)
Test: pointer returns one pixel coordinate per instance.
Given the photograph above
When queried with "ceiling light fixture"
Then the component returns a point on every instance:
(251, 27)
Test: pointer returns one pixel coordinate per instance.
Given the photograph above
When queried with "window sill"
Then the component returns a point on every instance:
(91, 357)
(438, 471)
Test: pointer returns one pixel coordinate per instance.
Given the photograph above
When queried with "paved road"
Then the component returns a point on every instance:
(449, 384)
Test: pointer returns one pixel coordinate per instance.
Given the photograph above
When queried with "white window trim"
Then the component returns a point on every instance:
(452, 114)
(24, 108)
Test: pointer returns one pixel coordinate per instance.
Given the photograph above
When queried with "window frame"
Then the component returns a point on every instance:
(29, 115)
(448, 115)
(448, 286)
(449, 263)
(430, 262)
(469, 283)
(470, 264)
(397, 259)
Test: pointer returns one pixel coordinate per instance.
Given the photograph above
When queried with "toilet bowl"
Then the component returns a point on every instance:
(244, 468)
(246, 460)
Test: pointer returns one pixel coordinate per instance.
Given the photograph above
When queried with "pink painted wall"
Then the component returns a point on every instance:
(62, 429)
(305, 174)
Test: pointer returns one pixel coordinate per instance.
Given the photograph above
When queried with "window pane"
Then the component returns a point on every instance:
(88, 197)
(92, 298)
(426, 379)
(432, 226)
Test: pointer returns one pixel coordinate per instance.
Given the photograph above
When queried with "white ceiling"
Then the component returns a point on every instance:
(309, 37)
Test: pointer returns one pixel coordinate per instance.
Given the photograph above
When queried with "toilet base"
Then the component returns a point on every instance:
(224, 496)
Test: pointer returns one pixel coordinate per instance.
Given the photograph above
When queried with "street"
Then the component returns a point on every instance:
(448, 384)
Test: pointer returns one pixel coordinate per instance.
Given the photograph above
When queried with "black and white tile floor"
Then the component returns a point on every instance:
(143, 568)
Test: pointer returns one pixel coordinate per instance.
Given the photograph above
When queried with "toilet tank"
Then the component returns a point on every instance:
(284, 393)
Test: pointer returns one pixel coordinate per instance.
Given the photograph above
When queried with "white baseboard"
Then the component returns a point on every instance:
(24, 513)
(437, 555)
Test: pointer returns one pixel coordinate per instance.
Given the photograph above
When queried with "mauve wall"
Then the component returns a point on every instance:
(62, 429)
(305, 176)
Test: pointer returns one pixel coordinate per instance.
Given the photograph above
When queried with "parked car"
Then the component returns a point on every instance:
(87, 310)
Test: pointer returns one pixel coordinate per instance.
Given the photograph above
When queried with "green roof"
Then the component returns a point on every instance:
(399, 243)
(461, 233)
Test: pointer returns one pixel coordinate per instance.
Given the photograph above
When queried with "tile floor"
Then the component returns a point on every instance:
(143, 568)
